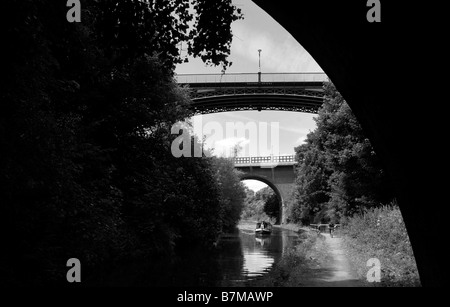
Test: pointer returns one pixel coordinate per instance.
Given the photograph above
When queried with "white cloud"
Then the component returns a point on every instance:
(302, 131)
(299, 130)
(301, 140)
(280, 51)
(224, 147)
(235, 116)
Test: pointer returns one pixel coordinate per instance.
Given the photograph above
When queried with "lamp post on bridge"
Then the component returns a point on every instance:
(259, 73)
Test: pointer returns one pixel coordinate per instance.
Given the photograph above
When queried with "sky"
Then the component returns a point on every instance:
(280, 53)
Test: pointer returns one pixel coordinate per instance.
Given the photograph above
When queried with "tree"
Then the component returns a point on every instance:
(272, 207)
(339, 172)
(232, 192)
(262, 205)
(312, 189)
(135, 27)
(86, 110)
(358, 180)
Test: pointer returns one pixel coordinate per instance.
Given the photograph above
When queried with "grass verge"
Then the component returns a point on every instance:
(380, 233)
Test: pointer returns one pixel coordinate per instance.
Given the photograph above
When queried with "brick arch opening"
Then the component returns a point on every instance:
(273, 187)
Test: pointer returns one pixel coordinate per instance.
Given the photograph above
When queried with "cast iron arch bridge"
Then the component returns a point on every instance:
(214, 93)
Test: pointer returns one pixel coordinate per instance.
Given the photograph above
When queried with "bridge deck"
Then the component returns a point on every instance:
(264, 161)
(240, 78)
(213, 93)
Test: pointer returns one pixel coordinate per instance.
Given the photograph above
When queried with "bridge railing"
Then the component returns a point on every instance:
(251, 77)
(288, 159)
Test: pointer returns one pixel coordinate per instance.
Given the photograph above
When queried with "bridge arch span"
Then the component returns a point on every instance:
(244, 102)
(264, 180)
(214, 93)
(272, 185)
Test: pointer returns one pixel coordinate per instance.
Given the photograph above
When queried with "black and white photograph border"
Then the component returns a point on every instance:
(234, 146)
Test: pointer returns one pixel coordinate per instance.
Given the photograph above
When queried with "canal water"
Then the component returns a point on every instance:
(240, 259)
(253, 256)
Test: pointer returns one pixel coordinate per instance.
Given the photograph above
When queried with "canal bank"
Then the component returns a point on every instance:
(291, 227)
(291, 256)
(240, 258)
(319, 261)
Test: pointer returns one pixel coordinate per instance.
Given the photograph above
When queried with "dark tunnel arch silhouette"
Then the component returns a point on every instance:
(358, 57)
(272, 186)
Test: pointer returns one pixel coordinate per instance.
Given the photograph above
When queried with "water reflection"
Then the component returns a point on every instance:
(262, 240)
(240, 258)
(258, 258)
(256, 264)
(259, 253)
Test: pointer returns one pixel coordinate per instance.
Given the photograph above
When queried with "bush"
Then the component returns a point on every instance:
(381, 233)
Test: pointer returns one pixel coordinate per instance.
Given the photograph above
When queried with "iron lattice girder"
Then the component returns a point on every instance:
(282, 96)
(257, 102)
(208, 91)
